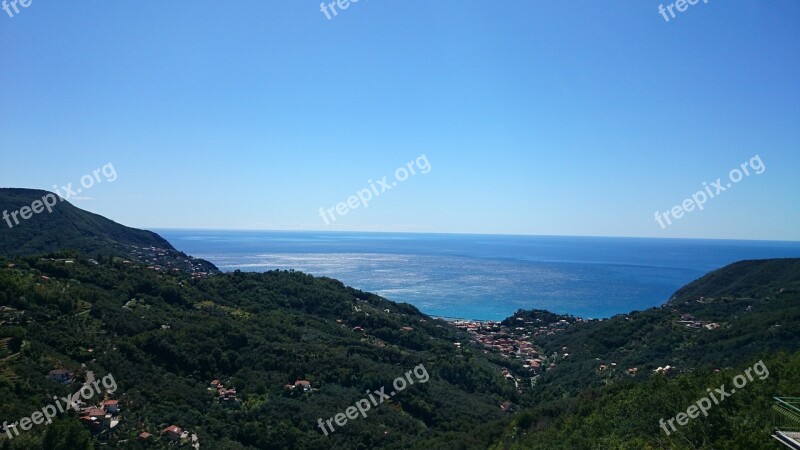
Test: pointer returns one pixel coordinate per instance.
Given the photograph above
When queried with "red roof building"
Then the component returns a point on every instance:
(172, 433)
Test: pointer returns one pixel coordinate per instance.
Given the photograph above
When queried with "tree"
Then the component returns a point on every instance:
(66, 434)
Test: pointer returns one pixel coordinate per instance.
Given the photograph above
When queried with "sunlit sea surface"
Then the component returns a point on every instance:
(485, 276)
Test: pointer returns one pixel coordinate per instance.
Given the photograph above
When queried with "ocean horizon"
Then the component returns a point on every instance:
(484, 277)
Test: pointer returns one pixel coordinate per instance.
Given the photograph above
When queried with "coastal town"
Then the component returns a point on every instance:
(166, 259)
(157, 259)
(513, 340)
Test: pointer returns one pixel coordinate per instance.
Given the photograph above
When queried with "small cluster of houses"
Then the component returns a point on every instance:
(690, 321)
(164, 259)
(510, 342)
(174, 435)
(611, 367)
(225, 396)
(303, 385)
(56, 260)
(101, 417)
(97, 418)
(664, 370)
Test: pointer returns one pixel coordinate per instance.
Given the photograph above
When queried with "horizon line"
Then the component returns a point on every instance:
(468, 234)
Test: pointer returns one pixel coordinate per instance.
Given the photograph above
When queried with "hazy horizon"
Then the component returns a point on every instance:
(156, 229)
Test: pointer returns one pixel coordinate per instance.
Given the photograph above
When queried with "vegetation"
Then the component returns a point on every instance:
(91, 235)
(166, 331)
(626, 415)
(750, 306)
(164, 337)
(67, 227)
(710, 331)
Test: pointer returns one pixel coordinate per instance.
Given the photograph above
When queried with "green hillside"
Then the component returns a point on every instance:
(628, 414)
(748, 308)
(290, 351)
(71, 228)
(166, 336)
(607, 392)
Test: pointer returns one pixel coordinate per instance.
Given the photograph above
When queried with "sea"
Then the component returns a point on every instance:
(485, 277)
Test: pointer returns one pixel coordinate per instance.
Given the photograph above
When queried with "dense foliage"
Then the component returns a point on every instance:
(166, 325)
(66, 227)
(165, 336)
(627, 415)
(753, 306)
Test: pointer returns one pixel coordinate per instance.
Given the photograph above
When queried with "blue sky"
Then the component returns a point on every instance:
(568, 118)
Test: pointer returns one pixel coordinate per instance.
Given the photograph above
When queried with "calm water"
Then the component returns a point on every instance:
(485, 276)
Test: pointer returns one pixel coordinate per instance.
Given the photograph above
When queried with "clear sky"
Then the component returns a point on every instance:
(536, 117)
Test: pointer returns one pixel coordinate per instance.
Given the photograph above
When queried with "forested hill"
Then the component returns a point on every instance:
(285, 350)
(166, 336)
(612, 380)
(719, 320)
(755, 278)
(59, 226)
(83, 294)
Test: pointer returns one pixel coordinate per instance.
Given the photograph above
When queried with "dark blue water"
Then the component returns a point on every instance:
(485, 276)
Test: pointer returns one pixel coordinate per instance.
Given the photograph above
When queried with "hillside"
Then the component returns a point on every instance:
(91, 235)
(613, 379)
(750, 307)
(248, 360)
(630, 414)
(743, 279)
(166, 336)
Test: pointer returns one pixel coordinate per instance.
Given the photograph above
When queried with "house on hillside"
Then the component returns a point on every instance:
(172, 433)
(111, 406)
(96, 419)
(227, 396)
(95, 413)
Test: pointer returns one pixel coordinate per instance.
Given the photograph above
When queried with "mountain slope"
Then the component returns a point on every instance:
(629, 414)
(610, 389)
(742, 279)
(71, 228)
(719, 320)
(166, 336)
